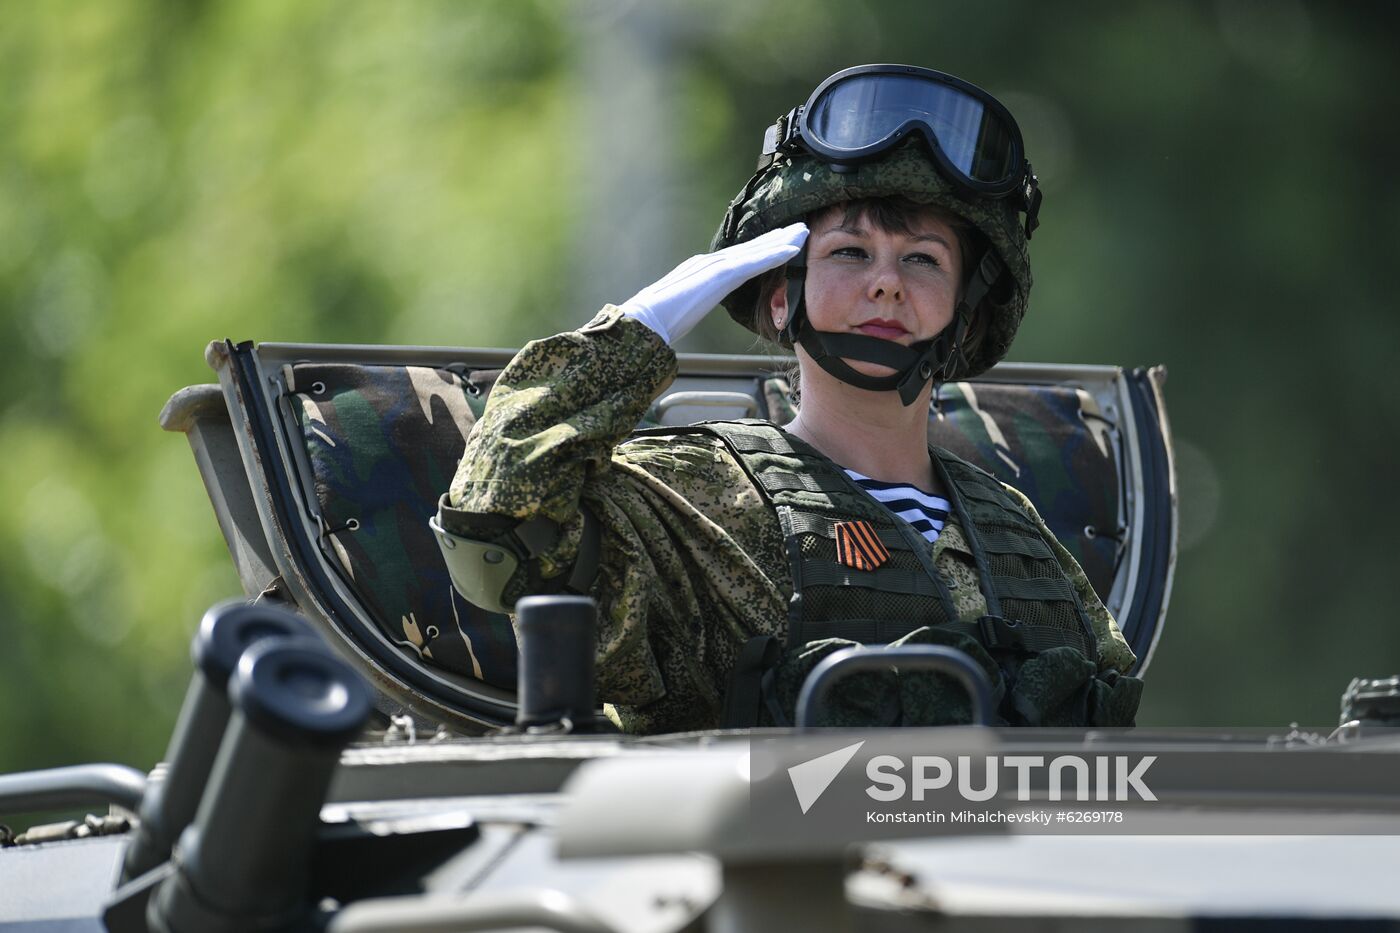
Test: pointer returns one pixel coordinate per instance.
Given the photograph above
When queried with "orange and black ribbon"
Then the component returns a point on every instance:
(858, 546)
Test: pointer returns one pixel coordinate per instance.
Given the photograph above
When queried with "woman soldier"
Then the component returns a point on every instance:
(728, 558)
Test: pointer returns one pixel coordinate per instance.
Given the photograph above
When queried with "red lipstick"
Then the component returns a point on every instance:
(882, 328)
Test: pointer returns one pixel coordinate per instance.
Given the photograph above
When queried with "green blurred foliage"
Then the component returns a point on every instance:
(1219, 191)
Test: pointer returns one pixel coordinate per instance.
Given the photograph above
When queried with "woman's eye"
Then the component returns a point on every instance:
(849, 252)
(923, 259)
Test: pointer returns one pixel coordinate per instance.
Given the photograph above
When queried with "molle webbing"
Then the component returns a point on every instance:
(798, 482)
(810, 495)
(1033, 607)
(1025, 577)
(823, 573)
(807, 523)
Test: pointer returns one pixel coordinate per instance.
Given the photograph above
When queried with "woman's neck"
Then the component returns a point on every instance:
(869, 432)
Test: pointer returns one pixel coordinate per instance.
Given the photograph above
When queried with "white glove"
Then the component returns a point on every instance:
(674, 305)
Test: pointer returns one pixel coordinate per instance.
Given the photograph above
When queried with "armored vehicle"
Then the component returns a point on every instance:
(361, 749)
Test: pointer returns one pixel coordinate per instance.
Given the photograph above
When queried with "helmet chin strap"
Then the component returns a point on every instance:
(914, 366)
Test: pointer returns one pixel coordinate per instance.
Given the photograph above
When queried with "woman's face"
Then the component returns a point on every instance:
(862, 279)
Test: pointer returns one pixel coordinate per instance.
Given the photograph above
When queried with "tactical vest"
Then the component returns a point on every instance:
(1031, 605)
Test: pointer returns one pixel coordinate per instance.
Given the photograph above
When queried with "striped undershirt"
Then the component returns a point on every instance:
(928, 514)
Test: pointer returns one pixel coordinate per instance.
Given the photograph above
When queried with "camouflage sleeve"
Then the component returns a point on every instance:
(691, 560)
(1113, 648)
(550, 426)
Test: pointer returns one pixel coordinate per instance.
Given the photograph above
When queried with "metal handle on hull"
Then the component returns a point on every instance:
(72, 787)
(938, 658)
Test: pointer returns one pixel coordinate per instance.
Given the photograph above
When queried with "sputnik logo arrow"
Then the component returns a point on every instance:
(811, 778)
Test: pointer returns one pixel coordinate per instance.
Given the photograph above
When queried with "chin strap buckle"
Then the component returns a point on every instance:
(918, 375)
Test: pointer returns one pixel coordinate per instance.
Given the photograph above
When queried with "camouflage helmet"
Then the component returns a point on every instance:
(795, 185)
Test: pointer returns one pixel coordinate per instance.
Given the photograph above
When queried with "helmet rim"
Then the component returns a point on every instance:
(794, 186)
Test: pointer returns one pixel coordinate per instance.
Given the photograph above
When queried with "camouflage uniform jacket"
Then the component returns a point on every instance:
(692, 562)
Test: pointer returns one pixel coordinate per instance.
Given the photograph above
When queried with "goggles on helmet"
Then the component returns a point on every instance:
(860, 113)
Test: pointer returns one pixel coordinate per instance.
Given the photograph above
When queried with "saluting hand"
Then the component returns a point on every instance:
(675, 304)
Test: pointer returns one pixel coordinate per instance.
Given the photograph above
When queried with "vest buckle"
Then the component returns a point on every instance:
(999, 634)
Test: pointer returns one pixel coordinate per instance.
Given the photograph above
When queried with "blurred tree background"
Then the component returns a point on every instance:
(1220, 186)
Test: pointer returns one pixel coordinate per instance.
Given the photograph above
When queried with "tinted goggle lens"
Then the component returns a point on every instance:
(859, 113)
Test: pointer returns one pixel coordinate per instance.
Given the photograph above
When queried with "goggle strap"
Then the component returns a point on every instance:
(1030, 201)
(778, 135)
(770, 141)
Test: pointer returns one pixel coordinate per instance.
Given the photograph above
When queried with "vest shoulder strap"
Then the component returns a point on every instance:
(1006, 535)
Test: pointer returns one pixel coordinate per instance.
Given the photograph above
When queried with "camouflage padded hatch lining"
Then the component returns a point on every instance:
(383, 443)
(1053, 444)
